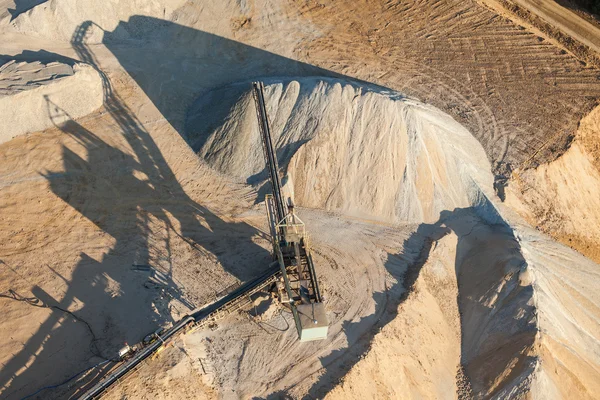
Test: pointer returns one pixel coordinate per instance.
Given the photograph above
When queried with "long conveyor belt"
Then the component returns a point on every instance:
(270, 155)
(194, 318)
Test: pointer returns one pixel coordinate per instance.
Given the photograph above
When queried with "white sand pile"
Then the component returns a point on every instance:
(369, 153)
(357, 150)
(30, 93)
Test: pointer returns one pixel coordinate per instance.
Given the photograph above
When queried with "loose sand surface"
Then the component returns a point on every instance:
(398, 128)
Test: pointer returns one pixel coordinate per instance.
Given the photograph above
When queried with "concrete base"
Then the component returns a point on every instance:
(313, 322)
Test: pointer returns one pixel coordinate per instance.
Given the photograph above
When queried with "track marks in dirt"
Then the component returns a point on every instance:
(511, 88)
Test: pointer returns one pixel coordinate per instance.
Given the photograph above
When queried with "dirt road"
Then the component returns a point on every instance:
(565, 20)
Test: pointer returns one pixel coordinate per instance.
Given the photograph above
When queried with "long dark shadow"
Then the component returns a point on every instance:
(174, 65)
(481, 264)
(42, 56)
(22, 6)
(497, 314)
(60, 349)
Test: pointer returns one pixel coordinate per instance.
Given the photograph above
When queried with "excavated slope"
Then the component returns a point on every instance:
(562, 198)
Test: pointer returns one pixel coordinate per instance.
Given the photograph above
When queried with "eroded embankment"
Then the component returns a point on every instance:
(562, 198)
(366, 152)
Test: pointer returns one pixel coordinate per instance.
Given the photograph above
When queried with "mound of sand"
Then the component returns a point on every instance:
(353, 149)
(482, 313)
(30, 93)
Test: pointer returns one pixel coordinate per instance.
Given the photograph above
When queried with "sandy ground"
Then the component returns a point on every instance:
(115, 219)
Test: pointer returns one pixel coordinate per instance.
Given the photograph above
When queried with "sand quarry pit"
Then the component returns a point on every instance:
(448, 230)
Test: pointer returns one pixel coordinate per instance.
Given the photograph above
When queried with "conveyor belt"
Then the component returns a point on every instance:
(290, 242)
(267, 141)
(196, 317)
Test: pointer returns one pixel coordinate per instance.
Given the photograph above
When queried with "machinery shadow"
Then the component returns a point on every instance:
(22, 6)
(120, 293)
(175, 65)
(478, 285)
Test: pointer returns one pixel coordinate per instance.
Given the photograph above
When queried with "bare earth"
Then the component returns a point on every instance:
(117, 221)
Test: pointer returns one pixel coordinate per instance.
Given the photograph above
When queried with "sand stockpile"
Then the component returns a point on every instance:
(358, 150)
(29, 92)
(393, 158)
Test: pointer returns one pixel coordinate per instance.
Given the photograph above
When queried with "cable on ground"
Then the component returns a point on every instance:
(68, 380)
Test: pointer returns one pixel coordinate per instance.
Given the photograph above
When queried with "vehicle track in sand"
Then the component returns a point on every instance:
(512, 88)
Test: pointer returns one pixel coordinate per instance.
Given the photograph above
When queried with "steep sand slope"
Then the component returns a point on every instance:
(566, 297)
(359, 150)
(562, 198)
(417, 355)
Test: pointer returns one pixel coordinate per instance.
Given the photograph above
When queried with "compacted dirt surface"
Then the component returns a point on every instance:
(443, 155)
